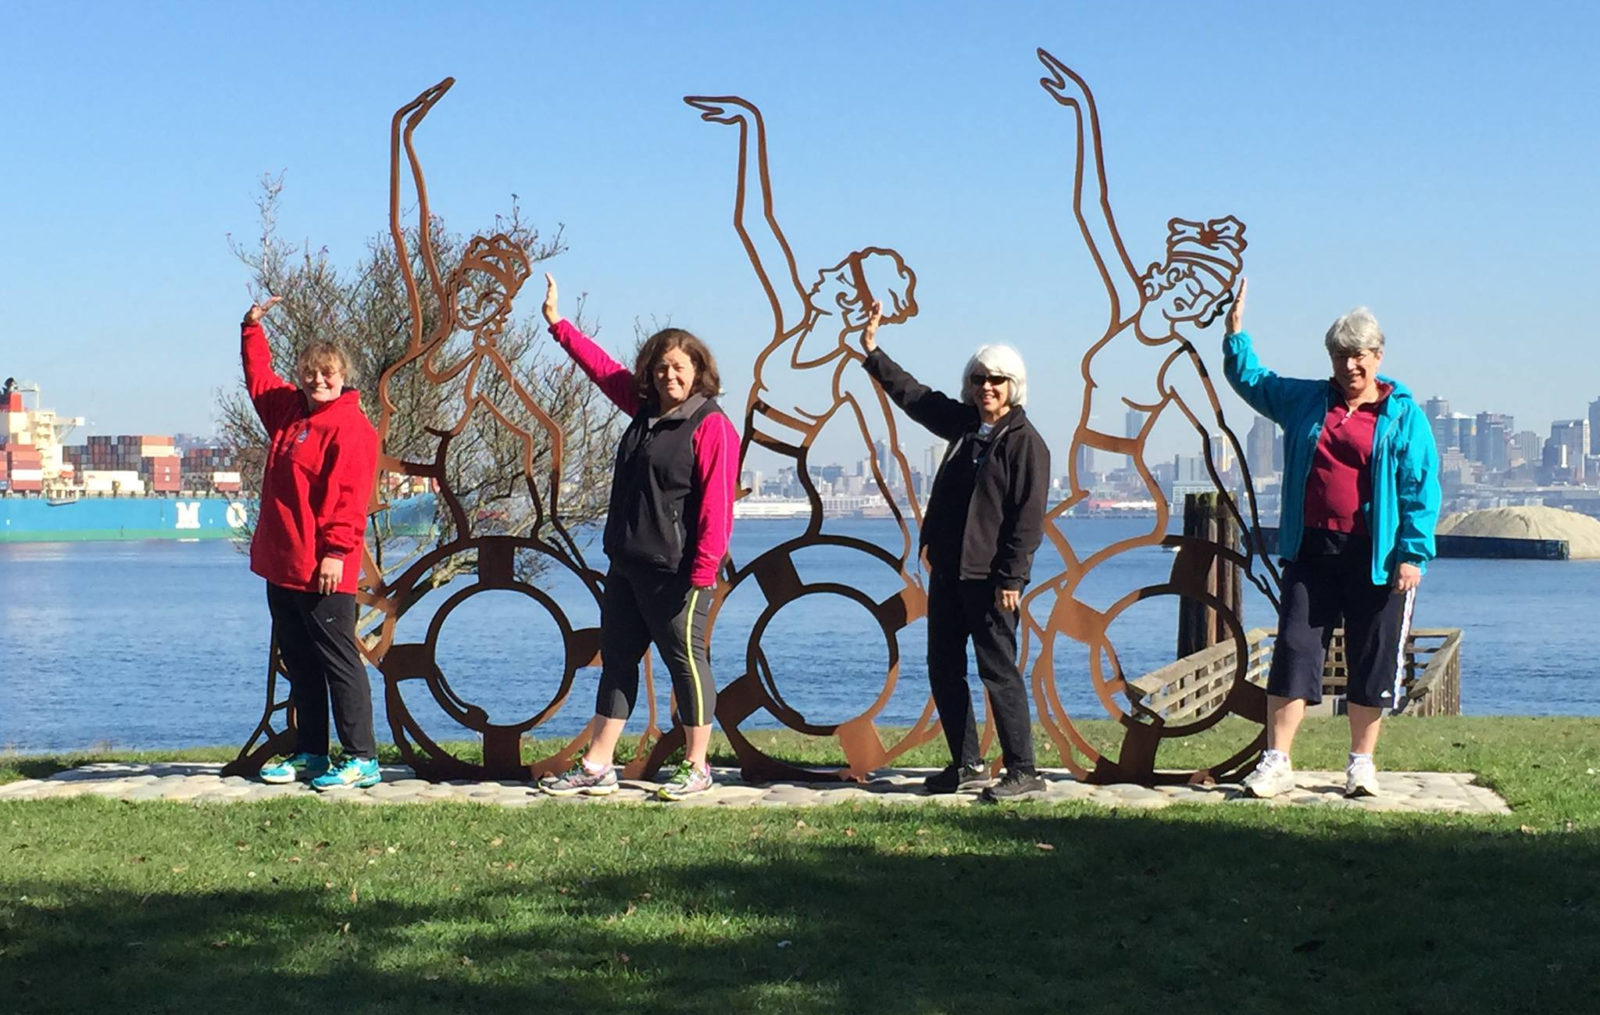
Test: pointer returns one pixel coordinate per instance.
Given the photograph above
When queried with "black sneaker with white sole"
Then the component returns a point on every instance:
(1015, 786)
(952, 777)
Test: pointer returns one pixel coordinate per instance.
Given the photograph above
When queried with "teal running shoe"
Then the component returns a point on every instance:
(295, 768)
(357, 773)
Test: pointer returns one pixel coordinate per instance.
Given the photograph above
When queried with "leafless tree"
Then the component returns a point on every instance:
(487, 464)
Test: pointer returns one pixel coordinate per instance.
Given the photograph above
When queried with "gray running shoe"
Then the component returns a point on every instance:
(686, 781)
(580, 781)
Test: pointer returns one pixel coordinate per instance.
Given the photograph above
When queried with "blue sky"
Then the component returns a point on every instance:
(1433, 161)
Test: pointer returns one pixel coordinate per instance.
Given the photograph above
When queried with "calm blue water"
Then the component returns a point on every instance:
(163, 644)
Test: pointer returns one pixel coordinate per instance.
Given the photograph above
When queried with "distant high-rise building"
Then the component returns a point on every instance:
(1489, 442)
(1437, 408)
(1221, 452)
(1260, 447)
(1466, 433)
(1594, 427)
(1527, 448)
(1085, 462)
(1571, 437)
(1132, 423)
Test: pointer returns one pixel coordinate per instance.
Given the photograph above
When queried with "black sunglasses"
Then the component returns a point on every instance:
(994, 380)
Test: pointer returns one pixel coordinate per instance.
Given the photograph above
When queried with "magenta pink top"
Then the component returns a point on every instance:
(716, 450)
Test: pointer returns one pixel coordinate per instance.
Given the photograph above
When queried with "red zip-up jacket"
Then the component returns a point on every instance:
(321, 466)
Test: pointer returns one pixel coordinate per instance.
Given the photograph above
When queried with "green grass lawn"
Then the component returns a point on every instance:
(286, 905)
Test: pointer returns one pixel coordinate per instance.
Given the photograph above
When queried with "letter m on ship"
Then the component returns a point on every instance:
(188, 514)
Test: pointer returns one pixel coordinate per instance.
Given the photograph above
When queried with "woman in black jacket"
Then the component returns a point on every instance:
(983, 521)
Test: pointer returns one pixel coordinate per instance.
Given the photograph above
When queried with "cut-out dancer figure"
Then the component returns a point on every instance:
(805, 377)
(1149, 315)
(666, 536)
(984, 520)
(1360, 501)
(322, 457)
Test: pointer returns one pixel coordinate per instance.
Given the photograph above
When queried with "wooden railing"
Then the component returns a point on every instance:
(1191, 687)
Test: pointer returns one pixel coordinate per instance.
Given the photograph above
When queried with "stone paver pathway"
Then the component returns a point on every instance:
(204, 783)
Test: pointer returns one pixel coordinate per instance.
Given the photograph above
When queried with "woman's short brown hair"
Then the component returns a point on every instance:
(318, 354)
(707, 381)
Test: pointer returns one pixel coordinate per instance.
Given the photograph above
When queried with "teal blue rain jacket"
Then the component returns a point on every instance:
(1405, 463)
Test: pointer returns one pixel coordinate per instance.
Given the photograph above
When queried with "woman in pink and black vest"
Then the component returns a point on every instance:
(666, 535)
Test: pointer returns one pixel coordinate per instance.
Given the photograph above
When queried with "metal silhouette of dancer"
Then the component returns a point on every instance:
(1149, 313)
(474, 298)
(807, 378)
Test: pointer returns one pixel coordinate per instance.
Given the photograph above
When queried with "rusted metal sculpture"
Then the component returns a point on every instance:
(1149, 313)
(460, 350)
(808, 378)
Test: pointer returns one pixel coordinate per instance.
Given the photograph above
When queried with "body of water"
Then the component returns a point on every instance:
(162, 644)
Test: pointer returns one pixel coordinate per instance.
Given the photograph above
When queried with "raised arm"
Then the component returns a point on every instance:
(1091, 204)
(1262, 389)
(614, 379)
(405, 122)
(763, 240)
(944, 416)
(273, 397)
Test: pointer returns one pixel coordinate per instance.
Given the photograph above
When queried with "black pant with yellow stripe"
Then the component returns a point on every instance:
(641, 607)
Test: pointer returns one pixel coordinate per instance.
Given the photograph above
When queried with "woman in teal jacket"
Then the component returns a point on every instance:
(1360, 500)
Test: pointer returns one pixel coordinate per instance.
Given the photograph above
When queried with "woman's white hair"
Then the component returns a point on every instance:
(996, 359)
(1355, 332)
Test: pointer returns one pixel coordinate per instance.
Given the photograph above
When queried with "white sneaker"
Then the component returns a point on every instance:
(1273, 775)
(1361, 778)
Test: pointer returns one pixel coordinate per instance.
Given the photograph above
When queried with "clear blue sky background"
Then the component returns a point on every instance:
(1435, 161)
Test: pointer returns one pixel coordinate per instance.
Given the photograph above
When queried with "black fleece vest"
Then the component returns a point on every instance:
(653, 493)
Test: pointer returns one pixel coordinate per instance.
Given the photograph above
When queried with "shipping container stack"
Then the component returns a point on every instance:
(117, 466)
(24, 467)
(21, 464)
(208, 468)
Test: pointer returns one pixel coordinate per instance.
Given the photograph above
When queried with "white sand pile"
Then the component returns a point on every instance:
(1581, 532)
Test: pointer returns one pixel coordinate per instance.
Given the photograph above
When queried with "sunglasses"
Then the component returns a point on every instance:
(993, 380)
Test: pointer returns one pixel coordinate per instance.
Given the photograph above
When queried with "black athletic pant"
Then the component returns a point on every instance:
(959, 610)
(316, 638)
(1318, 591)
(641, 607)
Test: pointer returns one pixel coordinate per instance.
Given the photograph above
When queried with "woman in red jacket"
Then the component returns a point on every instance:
(666, 535)
(322, 455)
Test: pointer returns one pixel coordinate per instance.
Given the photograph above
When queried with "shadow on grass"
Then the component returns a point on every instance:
(25, 767)
(1034, 911)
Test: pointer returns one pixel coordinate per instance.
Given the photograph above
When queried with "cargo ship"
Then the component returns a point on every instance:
(132, 486)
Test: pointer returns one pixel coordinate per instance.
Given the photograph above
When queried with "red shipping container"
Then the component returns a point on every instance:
(27, 485)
